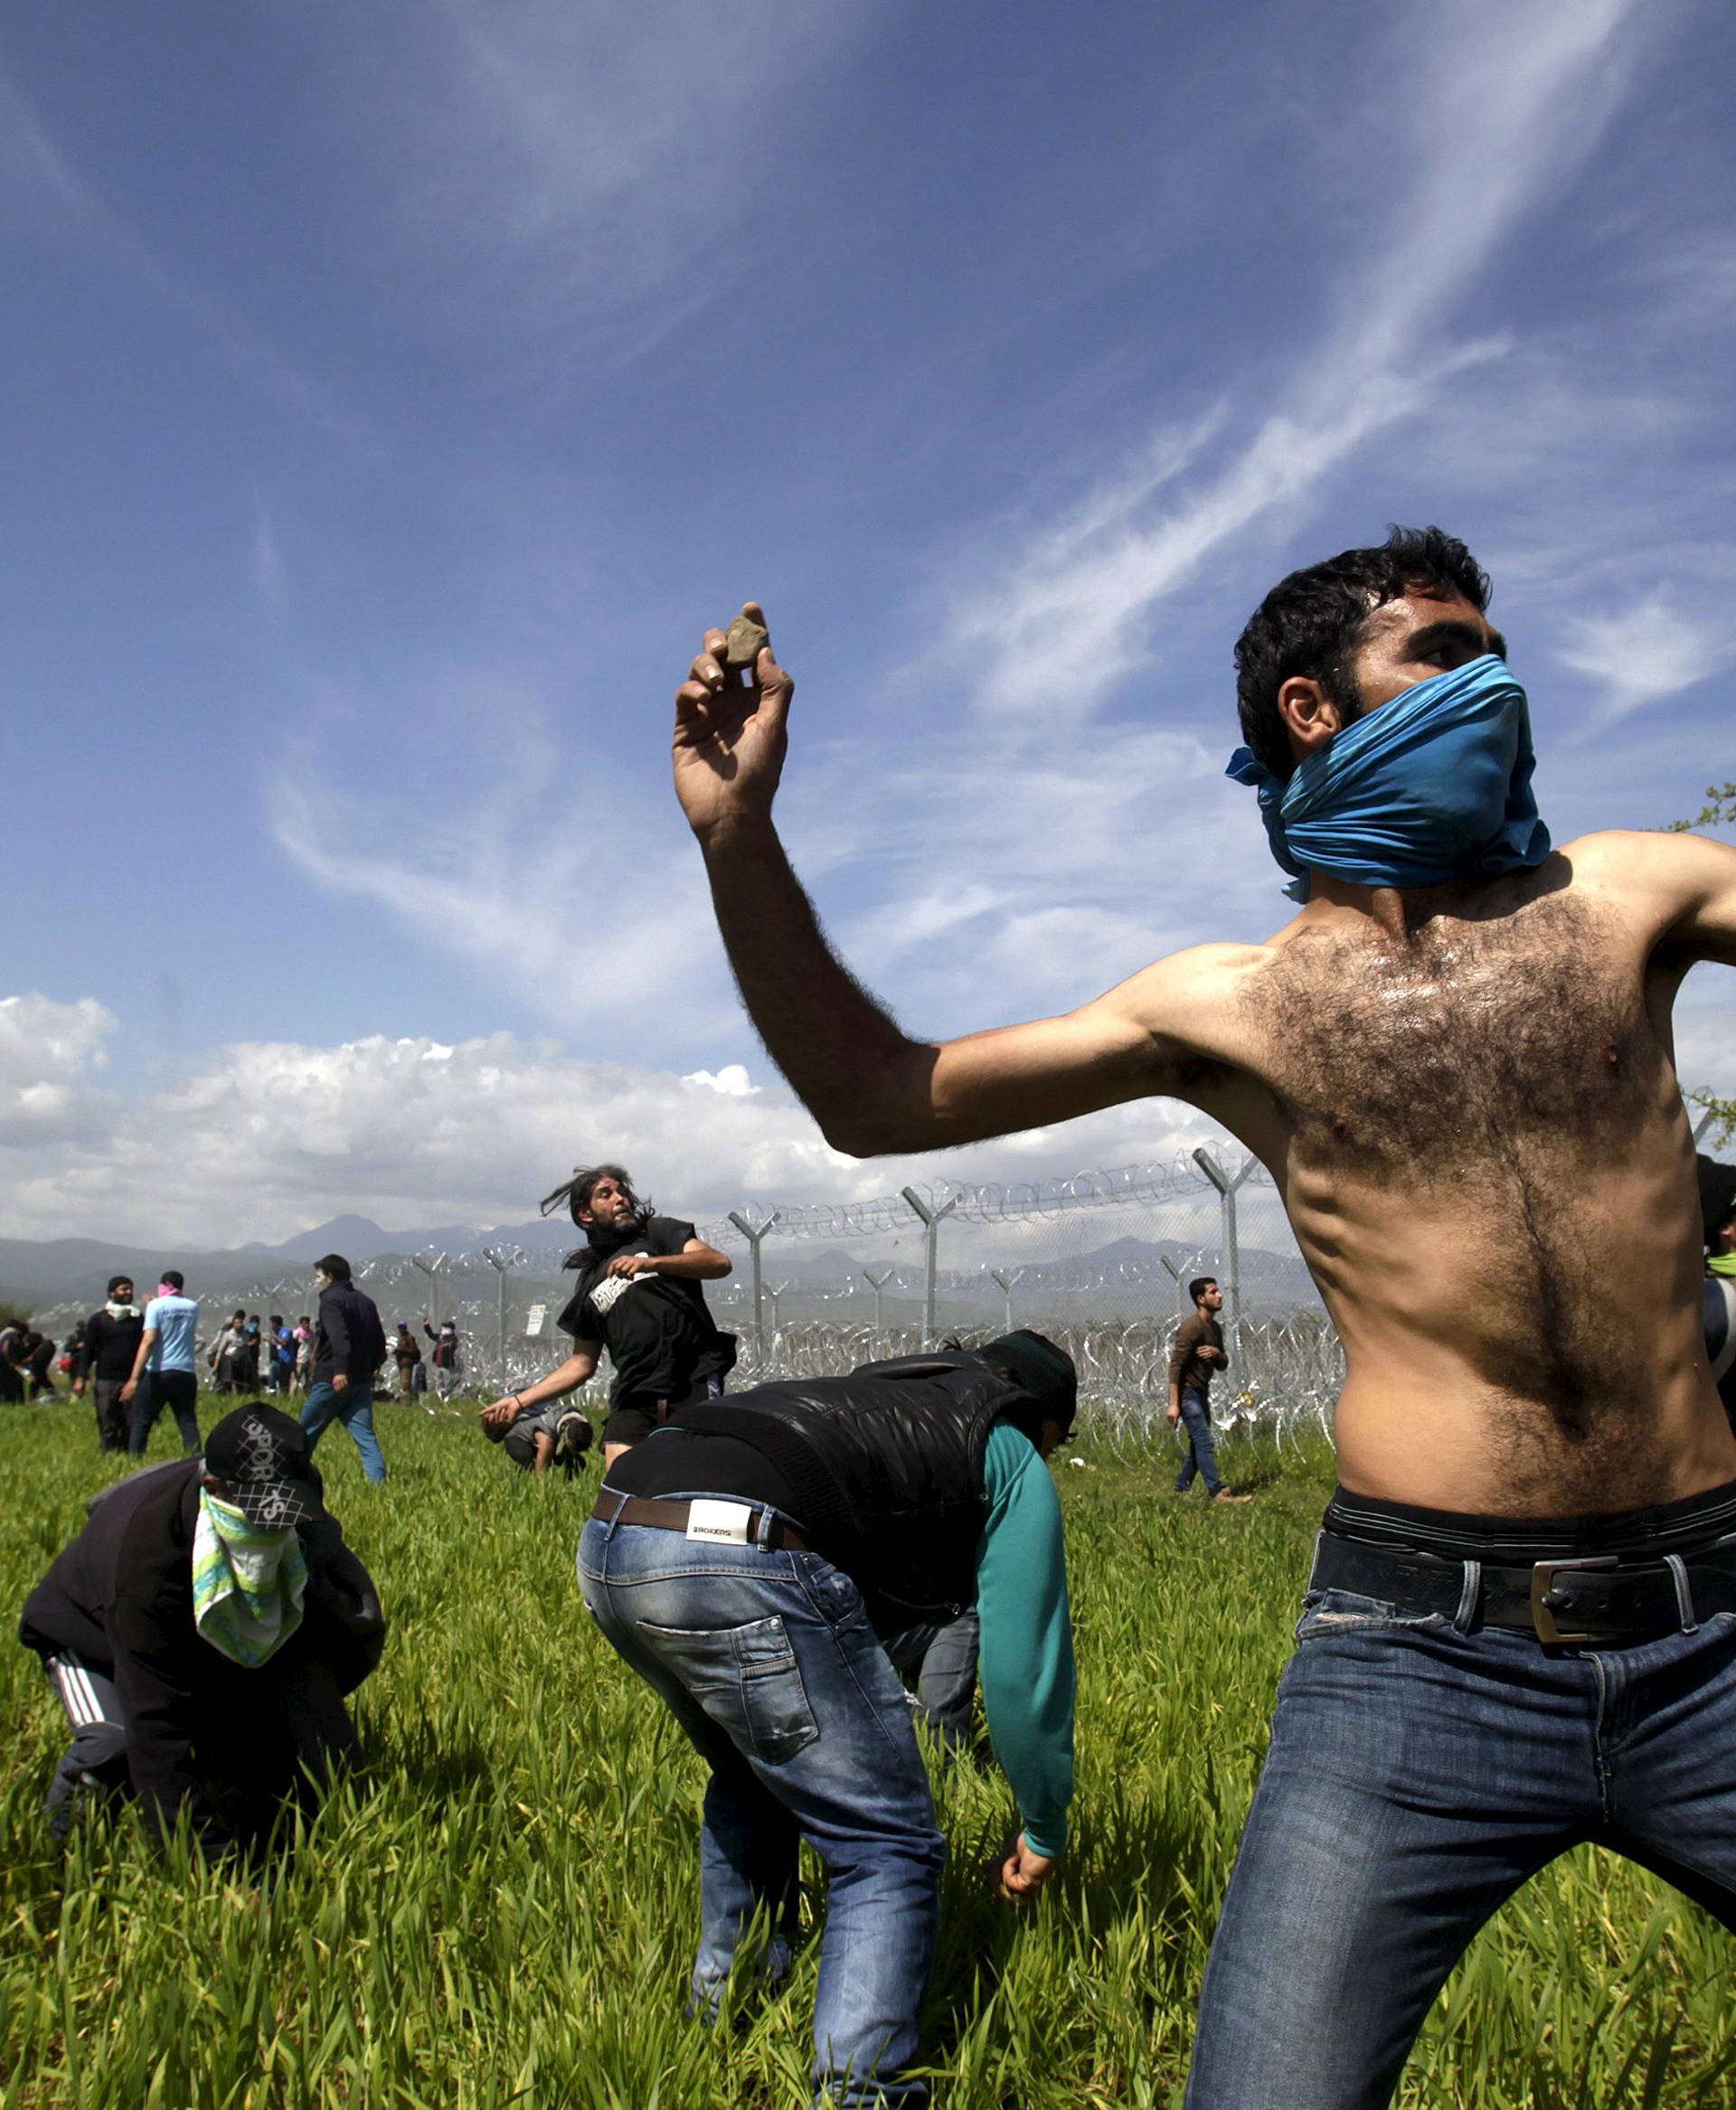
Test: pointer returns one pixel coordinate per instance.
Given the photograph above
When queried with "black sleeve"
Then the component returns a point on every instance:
(88, 1347)
(669, 1234)
(335, 1324)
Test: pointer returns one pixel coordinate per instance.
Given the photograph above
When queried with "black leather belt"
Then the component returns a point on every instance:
(1611, 1599)
(671, 1516)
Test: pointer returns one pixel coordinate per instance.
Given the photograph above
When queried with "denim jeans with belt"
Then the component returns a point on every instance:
(1418, 1776)
(769, 1663)
(1196, 1418)
(353, 1406)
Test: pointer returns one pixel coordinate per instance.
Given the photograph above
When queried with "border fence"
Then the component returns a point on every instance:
(1099, 1261)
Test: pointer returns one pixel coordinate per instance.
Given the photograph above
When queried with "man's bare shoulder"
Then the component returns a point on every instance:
(1202, 976)
(1669, 878)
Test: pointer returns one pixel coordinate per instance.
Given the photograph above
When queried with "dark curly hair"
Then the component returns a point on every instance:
(1310, 623)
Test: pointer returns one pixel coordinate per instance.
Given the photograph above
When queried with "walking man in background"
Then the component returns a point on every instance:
(1197, 1353)
(111, 1339)
(1456, 1061)
(349, 1346)
(165, 1373)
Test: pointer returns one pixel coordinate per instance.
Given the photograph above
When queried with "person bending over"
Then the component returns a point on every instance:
(639, 1296)
(1456, 1061)
(544, 1435)
(202, 1633)
(745, 1560)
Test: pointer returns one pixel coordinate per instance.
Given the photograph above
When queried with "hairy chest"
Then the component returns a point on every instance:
(1456, 1042)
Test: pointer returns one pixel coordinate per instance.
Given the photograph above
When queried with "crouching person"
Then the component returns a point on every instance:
(747, 1558)
(537, 1438)
(203, 1631)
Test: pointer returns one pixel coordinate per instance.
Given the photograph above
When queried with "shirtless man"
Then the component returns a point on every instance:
(1464, 1088)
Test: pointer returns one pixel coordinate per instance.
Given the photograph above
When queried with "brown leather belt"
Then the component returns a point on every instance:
(671, 1516)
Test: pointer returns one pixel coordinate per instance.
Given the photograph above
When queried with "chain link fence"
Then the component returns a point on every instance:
(1100, 1262)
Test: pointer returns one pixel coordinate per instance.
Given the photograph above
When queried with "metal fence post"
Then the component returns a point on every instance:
(929, 1220)
(877, 1282)
(753, 1237)
(1009, 1282)
(1226, 1188)
(502, 1259)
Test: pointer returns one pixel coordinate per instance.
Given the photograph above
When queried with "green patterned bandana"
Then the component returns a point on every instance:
(248, 1583)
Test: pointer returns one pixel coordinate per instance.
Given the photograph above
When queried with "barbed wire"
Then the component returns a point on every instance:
(992, 1201)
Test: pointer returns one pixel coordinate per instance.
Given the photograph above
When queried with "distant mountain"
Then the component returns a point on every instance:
(358, 1238)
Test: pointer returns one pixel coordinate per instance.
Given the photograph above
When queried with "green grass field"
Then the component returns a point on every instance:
(503, 1912)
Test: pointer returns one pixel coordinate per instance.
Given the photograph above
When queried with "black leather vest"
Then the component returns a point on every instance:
(886, 1466)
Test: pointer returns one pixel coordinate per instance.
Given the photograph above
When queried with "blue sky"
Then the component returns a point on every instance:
(397, 393)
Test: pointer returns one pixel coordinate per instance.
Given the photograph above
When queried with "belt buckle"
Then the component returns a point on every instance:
(1543, 1581)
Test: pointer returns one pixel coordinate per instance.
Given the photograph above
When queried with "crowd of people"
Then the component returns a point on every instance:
(1518, 1630)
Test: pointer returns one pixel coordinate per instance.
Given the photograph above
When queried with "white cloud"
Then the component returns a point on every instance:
(1506, 107)
(262, 1139)
(45, 1050)
(731, 1081)
(1641, 654)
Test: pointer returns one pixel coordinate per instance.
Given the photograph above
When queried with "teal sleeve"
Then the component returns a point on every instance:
(1027, 1645)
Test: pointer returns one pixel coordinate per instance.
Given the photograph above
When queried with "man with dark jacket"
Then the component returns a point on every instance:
(349, 1346)
(202, 1632)
(111, 1339)
(747, 1558)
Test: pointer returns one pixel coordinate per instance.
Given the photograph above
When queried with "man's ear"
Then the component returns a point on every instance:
(1311, 716)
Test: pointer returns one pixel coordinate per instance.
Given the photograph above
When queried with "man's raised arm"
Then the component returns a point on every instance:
(871, 1087)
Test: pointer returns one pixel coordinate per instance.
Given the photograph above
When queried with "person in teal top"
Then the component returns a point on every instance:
(752, 1559)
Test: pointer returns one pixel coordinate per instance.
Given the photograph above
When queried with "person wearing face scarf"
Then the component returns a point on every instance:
(111, 1339)
(202, 1632)
(1455, 1059)
(640, 1297)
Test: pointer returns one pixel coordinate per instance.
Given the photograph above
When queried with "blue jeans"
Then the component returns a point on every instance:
(1196, 1418)
(938, 1664)
(768, 1661)
(353, 1406)
(1418, 1776)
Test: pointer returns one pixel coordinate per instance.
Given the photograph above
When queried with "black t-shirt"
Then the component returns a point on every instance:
(656, 1329)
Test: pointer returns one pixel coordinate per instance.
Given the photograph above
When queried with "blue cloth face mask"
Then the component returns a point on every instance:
(1434, 786)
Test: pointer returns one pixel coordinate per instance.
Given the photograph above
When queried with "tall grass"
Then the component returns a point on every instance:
(502, 1912)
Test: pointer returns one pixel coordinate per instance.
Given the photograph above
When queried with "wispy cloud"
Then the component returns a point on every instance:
(577, 176)
(499, 844)
(270, 579)
(1644, 653)
(1506, 107)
